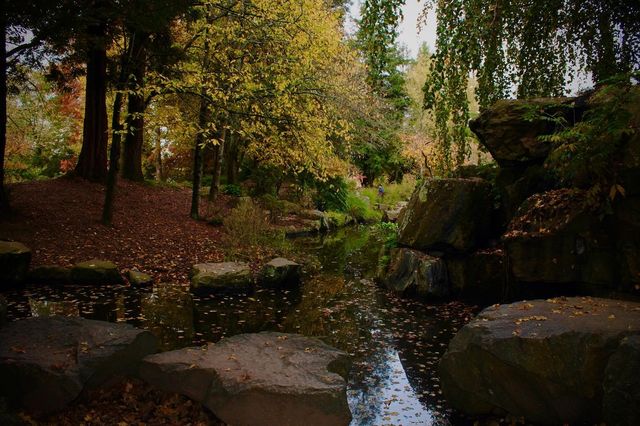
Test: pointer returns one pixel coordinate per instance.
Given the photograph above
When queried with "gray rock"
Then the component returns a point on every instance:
(452, 215)
(231, 276)
(14, 262)
(280, 272)
(414, 272)
(621, 402)
(259, 379)
(138, 278)
(95, 271)
(46, 362)
(50, 274)
(543, 360)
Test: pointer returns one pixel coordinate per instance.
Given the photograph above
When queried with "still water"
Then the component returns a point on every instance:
(395, 342)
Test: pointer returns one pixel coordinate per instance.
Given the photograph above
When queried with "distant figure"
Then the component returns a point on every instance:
(380, 191)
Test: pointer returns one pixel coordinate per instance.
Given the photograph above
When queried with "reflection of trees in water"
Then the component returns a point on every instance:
(104, 303)
(46, 308)
(218, 315)
(168, 312)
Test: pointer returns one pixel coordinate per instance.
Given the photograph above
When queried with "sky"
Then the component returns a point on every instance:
(409, 35)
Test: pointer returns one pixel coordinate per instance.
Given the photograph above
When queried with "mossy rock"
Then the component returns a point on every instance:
(280, 272)
(138, 278)
(15, 258)
(50, 274)
(224, 276)
(95, 271)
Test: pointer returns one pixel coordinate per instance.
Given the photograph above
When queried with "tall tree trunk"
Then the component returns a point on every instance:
(4, 198)
(197, 157)
(232, 159)
(158, 154)
(136, 105)
(114, 158)
(217, 166)
(92, 163)
(203, 121)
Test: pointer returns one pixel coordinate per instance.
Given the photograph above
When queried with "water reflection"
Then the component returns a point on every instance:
(168, 312)
(395, 343)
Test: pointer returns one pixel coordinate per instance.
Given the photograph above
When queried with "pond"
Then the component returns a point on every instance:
(395, 343)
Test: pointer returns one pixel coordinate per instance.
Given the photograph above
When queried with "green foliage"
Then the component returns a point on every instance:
(232, 189)
(393, 192)
(507, 45)
(588, 154)
(331, 194)
(43, 129)
(359, 209)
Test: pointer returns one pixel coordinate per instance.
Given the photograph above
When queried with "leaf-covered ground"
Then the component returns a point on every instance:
(60, 221)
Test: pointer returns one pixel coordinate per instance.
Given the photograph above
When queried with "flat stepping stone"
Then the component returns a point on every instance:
(545, 360)
(280, 272)
(50, 274)
(95, 271)
(223, 276)
(259, 379)
(138, 278)
(14, 262)
(46, 362)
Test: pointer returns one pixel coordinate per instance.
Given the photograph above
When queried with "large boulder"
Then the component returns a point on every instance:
(50, 274)
(224, 276)
(544, 360)
(621, 405)
(46, 362)
(95, 271)
(280, 272)
(447, 214)
(259, 379)
(14, 262)
(510, 129)
(414, 272)
(479, 277)
(557, 239)
(626, 220)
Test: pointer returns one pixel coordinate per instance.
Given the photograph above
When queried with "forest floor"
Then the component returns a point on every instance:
(60, 221)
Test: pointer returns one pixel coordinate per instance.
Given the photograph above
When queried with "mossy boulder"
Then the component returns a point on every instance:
(223, 276)
(138, 278)
(15, 258)
(50, 274)
(280, 272)
(451, 215)
(95, 271)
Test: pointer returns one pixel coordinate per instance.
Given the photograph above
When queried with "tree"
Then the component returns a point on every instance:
(522, 48)
(376, 40)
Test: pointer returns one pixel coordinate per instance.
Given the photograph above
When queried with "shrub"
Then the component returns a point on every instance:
(332, 195)
(247, 223)
(232, 189)
(359, 208)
